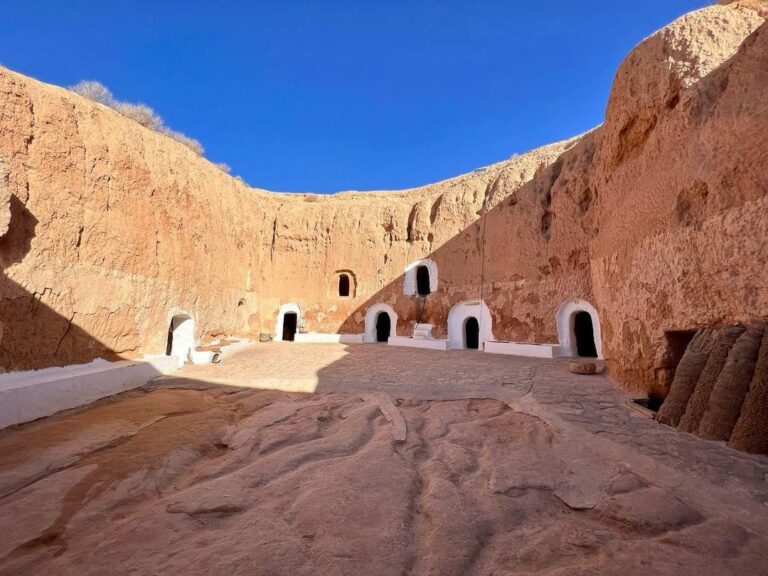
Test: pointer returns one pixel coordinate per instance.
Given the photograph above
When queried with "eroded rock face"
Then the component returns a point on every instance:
(651, 80)
(656, 219)
(759, 6)
(669, 216)
(5, 200)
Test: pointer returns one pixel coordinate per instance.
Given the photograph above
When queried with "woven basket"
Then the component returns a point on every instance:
(687, 376)
(697, 404)
(751, 431)
(732, 385)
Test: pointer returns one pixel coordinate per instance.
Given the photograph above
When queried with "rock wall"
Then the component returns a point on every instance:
(656, 218)
(113, 229)
(681, 227)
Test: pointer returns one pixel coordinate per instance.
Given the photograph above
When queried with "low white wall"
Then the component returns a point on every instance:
(26, 396)
(327, 338)
(416, 343)
(230, 349)
(523, 349)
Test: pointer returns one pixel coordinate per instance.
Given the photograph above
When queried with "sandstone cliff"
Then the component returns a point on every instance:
(657, 218)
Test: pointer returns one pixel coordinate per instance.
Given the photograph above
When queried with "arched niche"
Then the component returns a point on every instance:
(457, 323)
(569, 315)
(345, 284)
(371, 317)
(416, 269)
(181, 337)
(287, 310)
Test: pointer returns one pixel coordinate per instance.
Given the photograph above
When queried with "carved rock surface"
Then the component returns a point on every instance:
(206, 481)
(656, 218)
(5, 200)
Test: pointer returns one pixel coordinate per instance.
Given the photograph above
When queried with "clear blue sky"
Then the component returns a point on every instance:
(352, 94)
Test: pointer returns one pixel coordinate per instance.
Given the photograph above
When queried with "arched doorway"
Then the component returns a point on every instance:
(290, 322)
(471, 333)
(422, 281)
(585, 335)
(578, 329)
(377, 318)
(242, 317)
(420, 278)
(383, 327)
(469, 325)
(181, 338)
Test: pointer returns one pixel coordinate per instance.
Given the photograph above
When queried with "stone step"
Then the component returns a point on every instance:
(422, 332)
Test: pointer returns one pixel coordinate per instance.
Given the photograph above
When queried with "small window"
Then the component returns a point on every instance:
(344, 285)
(422, 281)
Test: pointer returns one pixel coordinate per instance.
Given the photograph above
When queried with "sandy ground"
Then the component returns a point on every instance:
(188, 477)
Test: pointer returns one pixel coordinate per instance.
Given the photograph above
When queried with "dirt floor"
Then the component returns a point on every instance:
(192, 477)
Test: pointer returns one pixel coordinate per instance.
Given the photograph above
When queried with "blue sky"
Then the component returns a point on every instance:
(352, 94)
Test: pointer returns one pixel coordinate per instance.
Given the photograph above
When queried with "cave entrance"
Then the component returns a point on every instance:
(652, 403)
(290, 321)
(677, 344)
(472, 333)
(383, 327)
(585, 335)
(181, 337)
(422, 281)
(343, 285)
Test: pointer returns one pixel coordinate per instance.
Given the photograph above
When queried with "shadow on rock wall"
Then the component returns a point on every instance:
(41, 336)
(513, 257)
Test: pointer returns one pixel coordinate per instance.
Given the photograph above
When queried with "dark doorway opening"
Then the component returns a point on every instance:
(290, 320)
(422, 280)
(585, 335)
(652, 403)
(677, 343)
(472, 333)
(343, 285)
(169, 345)
(383, 327)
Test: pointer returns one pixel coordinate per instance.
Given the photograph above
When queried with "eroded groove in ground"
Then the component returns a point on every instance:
(290, 484)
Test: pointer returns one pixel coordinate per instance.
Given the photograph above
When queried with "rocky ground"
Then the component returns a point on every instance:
(187, 476)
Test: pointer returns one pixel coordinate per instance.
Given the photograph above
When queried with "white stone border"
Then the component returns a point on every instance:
(408, 342)
(328, 338)
(457, 317)
(528, 349)
(565, 320)
(410, 287)
(30, 395)
(370, 321)
(286, 309)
